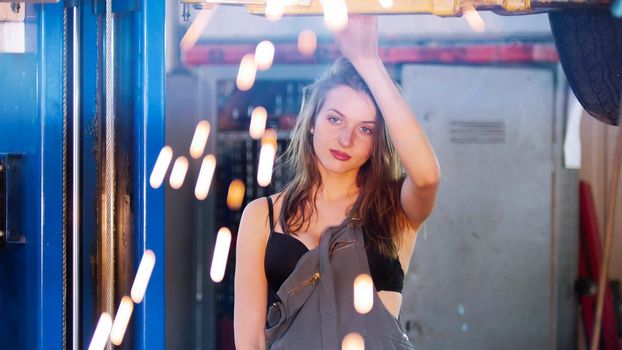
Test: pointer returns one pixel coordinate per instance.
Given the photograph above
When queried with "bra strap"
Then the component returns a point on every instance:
(270, 213)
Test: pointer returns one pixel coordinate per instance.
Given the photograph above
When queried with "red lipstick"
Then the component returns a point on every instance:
(340, 155)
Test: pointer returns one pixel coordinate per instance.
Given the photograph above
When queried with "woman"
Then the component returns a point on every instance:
(341, 154)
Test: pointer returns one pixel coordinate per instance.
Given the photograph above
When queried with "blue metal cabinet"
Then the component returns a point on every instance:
(33, 110)
(31, 126)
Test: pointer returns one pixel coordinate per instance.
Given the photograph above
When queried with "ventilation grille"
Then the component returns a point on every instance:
(477, 132)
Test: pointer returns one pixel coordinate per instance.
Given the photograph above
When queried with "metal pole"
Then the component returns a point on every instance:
(75, 229)
(65, 151)
(107, 281)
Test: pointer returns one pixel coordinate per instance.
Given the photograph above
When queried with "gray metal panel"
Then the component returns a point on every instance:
(481, 271)
(181, 303)
(566, 228)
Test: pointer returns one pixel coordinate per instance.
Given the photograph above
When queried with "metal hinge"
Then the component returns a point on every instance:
(11, 196)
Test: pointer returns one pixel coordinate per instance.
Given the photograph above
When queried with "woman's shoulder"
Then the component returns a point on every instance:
(254, 225)
(255, 207)
(277, 198)
(258, 207)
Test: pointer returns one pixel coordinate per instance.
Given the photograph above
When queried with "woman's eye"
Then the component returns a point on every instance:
(367, 130)
(333, 120)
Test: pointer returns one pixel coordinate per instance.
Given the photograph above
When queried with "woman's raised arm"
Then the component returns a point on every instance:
(358, 42)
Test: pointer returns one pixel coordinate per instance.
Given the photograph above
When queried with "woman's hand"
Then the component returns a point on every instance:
(359, 40)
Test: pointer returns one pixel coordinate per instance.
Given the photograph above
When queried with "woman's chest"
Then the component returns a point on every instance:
(324, 218)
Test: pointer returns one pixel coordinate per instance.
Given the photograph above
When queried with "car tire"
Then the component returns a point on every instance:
(589, 43)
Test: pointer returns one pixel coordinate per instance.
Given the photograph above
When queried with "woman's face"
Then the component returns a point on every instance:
(344, 129)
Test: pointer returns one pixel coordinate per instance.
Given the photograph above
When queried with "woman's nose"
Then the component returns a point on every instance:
(345, 137)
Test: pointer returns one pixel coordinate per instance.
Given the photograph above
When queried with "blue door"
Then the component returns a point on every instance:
(37, 299)
(31, 156)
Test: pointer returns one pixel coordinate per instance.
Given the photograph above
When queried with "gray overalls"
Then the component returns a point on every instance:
(316, 307)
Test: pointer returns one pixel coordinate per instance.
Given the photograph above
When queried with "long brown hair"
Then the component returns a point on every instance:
(380, 178)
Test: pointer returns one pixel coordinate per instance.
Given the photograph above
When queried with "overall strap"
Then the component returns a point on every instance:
(328, 304)
(270, 213)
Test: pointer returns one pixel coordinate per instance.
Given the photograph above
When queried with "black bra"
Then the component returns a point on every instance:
(283, 252)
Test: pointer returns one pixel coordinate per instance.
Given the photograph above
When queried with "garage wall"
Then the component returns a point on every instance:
(598, 144)
(509, 274)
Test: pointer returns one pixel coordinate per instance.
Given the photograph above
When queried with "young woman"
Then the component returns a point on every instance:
(353, 130)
